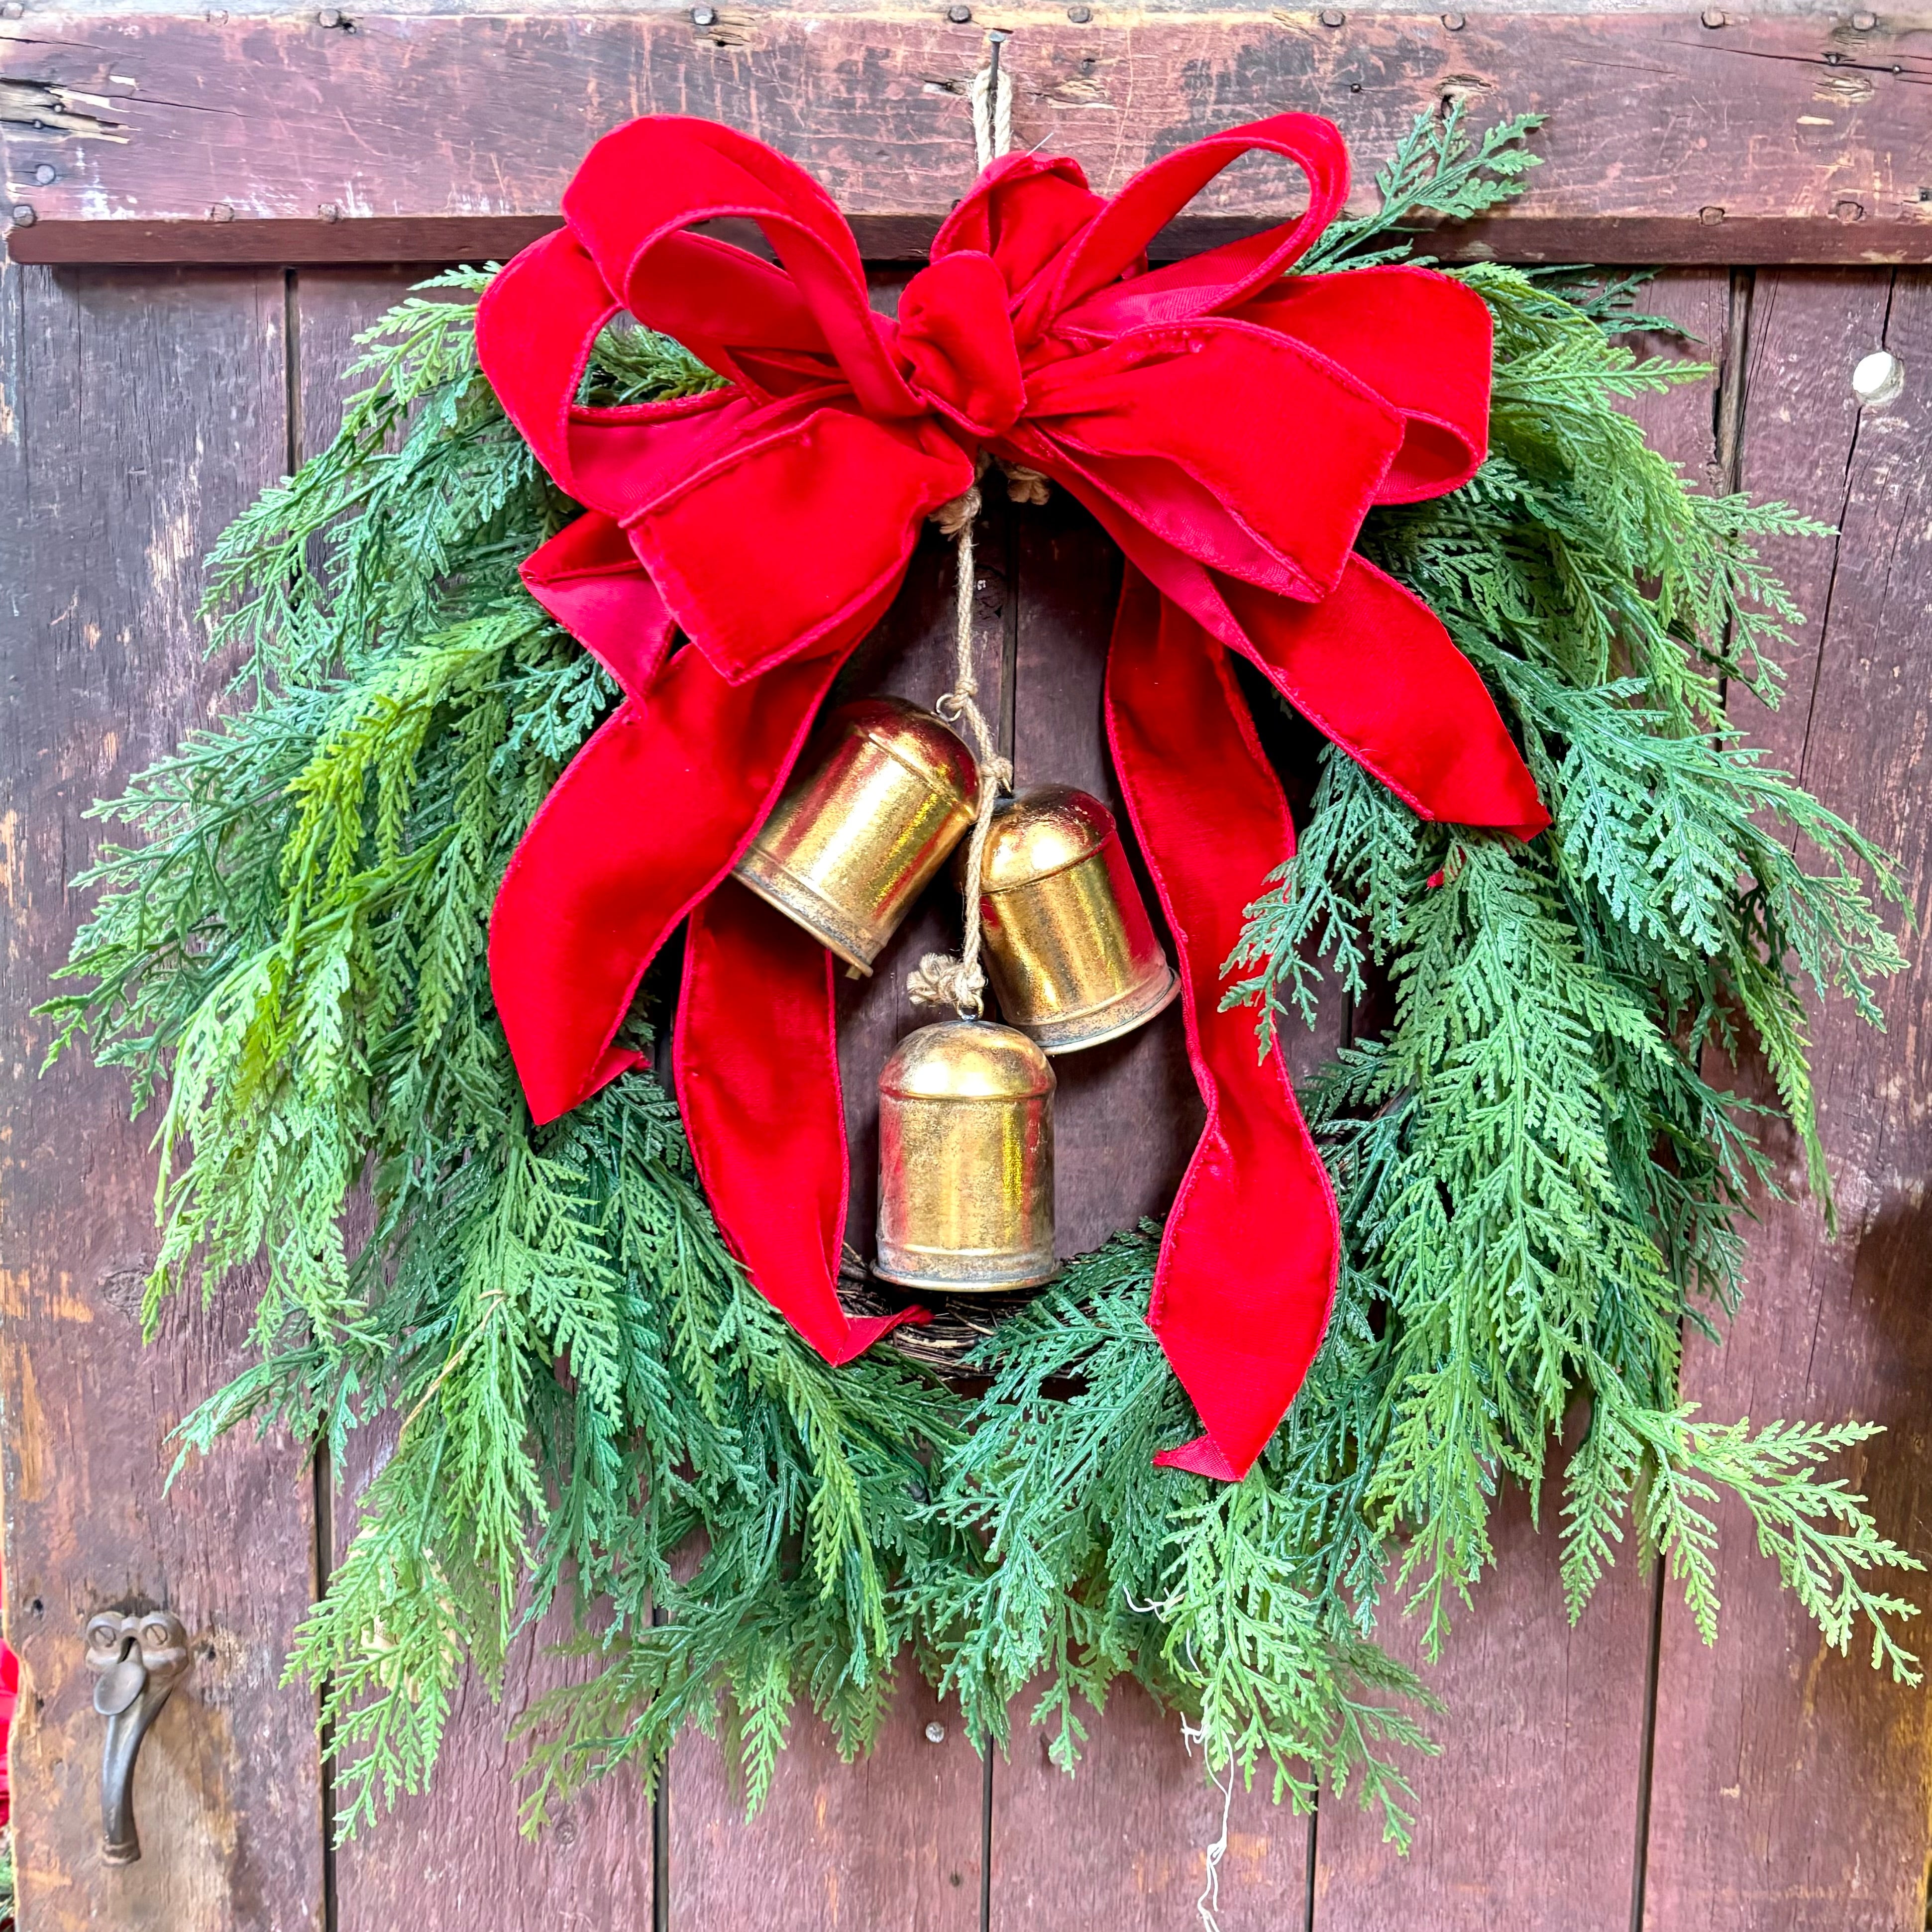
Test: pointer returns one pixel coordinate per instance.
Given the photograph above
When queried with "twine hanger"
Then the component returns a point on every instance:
(941, 980)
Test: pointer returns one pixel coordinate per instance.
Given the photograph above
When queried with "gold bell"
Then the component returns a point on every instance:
(966, 1160)
(882, 796)
(1069, 947)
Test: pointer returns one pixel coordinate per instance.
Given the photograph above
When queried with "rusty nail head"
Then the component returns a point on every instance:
(1454, 23)
(1710, 217)
(1333, 16)
(23, 215)
(703, 16)
(1080, 15)
(46, 174)
(1848, 210)
(959, 13)
(1864, 22)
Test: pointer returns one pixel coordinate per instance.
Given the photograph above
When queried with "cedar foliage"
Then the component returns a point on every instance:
(569, 1380)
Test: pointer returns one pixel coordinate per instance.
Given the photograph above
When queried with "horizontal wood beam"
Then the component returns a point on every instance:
(1672, 137)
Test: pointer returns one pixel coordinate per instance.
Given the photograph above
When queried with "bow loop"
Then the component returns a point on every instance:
(1022, 211)
(642, 188)
(1146, 419)
(954, 333)
(1086, 296)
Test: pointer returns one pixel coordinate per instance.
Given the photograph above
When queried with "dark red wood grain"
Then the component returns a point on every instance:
(895, 1840)
(454, 1854)
(138, 413)
(1792, 138)
(1123, 1843)
(1533, 1815)
(1126, 1115)
(1792, 1785)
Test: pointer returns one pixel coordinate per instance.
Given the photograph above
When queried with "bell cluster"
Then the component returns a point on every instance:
(883, 798)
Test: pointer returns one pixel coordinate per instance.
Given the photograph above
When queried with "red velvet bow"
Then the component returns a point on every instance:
(1230, 428)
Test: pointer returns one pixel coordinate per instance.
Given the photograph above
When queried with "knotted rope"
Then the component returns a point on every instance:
(940, 979)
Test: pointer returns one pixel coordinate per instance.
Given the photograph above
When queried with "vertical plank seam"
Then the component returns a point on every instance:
(1727, 411)
(1647, 1748)
(1009, 629)
(1308, 1889)
(1008, 730)
(986, 1836)
(322, 1464)
(1837, 553)
(661, 1824)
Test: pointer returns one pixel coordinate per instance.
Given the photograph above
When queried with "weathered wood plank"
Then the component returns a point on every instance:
(1126, 1115)
(912, 656)
(896, 1840)
(1124, 1843)
(1674, 136)
(1791, 1786)
(1532, 1814)
(452, 1855)
(138, 413)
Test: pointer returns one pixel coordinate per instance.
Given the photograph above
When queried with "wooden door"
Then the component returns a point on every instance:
(1617, 1774)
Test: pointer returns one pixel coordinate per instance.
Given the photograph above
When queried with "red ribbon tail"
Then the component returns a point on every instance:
(1247, 1267)
(1374, 669)
(862, 1332)
(757, 1065)
(1203, 1456)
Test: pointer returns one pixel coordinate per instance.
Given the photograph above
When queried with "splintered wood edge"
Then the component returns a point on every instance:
(1684, 137)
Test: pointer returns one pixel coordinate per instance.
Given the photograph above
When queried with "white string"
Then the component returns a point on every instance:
(1209, 1903)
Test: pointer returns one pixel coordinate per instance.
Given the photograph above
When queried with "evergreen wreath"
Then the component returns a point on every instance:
(1540, 1184)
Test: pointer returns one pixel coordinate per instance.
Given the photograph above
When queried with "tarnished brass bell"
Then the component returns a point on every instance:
(966, 1160)
(1069, 947)
(882, 795)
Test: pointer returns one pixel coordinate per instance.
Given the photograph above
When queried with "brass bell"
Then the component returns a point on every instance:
(966, 1161)
(1069, 947)
(882, 795)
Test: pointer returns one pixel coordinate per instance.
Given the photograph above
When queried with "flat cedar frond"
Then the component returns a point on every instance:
(569, 1386)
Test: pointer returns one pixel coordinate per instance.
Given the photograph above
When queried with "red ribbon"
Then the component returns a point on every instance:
(1229, 428)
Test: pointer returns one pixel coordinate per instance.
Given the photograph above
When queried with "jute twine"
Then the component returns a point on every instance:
(941, 980)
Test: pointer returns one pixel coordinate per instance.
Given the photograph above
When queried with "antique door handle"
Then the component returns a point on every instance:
(137, 1662)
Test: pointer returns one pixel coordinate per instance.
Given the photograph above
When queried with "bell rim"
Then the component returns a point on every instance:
(930, 1284)
(1136, 1017)
(756, 883)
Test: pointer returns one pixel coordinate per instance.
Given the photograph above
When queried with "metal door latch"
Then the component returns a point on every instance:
(137, 1661)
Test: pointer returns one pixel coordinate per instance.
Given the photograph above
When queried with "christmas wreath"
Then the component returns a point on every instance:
(1538, 1177)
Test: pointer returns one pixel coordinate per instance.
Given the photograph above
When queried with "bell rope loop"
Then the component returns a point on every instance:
(940, 979)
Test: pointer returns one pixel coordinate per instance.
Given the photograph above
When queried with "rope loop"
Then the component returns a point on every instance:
(940, 979)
